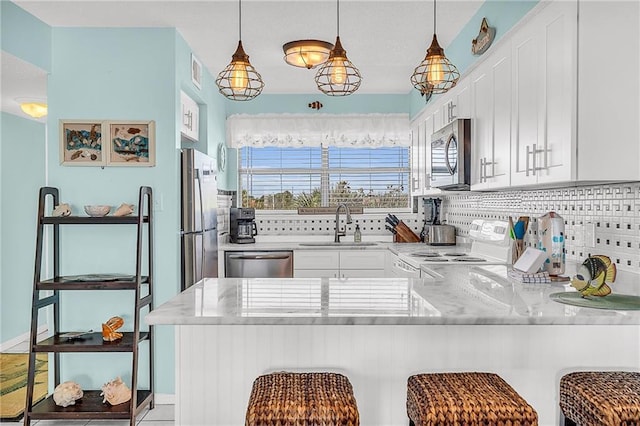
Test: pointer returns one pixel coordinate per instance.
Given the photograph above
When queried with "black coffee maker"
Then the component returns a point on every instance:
(242, 227)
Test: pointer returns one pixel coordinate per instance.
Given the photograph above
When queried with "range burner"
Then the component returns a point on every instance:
(435, 259)
(425, 254)
(456, 254)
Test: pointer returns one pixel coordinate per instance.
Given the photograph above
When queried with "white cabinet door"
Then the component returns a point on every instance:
(608, 101)
(543, 55)
(316, 273)
(316, 259)
(190, 118)
(361, 259)
(361, 273)
(416, 188)
(426, 156)
(463, 99)
(491, 94)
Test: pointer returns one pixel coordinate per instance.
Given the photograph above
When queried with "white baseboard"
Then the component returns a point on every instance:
(165, 398)
(21, 338)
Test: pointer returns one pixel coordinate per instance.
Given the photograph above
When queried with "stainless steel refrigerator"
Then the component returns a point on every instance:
(199, 220)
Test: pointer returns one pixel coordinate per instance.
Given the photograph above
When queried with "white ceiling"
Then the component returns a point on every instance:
(385, 39)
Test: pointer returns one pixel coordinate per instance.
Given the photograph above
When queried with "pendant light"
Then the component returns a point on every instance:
(435, 74)
(240, 81)
(338, 76)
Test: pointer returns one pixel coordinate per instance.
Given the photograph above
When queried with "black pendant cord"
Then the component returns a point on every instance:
(338, 16)
(434, 16)
(239, 19)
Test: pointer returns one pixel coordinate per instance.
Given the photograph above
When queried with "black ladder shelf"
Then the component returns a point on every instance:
(90, 406)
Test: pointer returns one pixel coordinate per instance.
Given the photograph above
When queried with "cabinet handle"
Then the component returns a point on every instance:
(534, 154)
(482, 170)
(414, 185)
(526, 169)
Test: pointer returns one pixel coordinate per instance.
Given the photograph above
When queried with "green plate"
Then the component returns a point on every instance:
(618, 302)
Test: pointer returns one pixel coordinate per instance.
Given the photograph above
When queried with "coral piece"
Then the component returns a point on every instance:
(115, 392)
(593, 275)
(109, 333)
(67, 393)
(62, 210)
(124, 210)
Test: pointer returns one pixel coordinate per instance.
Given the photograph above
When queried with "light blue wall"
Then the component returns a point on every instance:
(116, 74)
(25, 36)
(22, 165)
(211, 102)
(352, 104)
(500, 14)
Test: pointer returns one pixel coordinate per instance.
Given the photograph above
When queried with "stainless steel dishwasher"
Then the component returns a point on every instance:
(258, 264)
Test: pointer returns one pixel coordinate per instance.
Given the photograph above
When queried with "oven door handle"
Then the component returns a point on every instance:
(431, 274)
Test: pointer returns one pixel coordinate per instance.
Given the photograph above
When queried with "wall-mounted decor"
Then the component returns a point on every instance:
(196, 72)
(480, 44)
(81, 143)
(131, 143)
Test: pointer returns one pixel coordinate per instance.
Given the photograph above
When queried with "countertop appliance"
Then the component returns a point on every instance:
(433, 232)
(451, 156)
(242, 225)
(258, 264)
(198, 216)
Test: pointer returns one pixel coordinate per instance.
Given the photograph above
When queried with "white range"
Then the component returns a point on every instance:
(490, 245)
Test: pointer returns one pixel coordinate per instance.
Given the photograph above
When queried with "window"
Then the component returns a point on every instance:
(276, 178)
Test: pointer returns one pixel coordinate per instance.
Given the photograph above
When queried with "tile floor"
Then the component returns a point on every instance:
(161, 415)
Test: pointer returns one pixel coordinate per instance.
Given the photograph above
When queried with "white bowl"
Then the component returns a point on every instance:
(97, 211)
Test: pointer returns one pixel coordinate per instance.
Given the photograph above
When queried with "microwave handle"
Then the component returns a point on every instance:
(446, 157)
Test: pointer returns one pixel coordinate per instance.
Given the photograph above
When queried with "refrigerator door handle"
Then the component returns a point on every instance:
(202, 256)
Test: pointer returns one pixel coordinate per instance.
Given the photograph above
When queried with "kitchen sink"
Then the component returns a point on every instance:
(340, 244)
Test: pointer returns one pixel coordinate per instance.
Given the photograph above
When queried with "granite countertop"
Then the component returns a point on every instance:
(470, 295)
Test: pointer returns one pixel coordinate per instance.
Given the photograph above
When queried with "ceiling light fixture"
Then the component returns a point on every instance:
(306, 53)
(435, 74)
(338, 76)
(240, 81)
(33, 108)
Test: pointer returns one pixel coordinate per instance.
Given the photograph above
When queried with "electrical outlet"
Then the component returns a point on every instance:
(578, 234)
(158, 203)
(590, 234)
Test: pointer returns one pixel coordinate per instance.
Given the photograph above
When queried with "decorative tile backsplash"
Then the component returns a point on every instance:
(607, 215)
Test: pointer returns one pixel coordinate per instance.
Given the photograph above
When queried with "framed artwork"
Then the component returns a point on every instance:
(196, 72)
(131, 143)
(82, 143)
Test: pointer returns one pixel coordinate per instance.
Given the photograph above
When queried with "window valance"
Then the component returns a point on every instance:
(291, 130)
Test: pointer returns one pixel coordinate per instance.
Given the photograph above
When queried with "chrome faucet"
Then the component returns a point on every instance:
(343, 232)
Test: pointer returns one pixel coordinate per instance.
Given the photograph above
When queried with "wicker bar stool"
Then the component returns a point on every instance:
(465, 399)
(302, 399)
(596, 398)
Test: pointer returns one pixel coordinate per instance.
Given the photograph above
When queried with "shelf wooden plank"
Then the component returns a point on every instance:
(91, 342)
(88, 220)
(71, 282)
(90, 406)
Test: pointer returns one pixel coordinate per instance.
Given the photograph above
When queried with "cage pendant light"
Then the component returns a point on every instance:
(240, 81)
(435, 74)
(338, 76)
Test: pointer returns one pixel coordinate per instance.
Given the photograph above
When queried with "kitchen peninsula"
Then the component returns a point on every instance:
(380, 331)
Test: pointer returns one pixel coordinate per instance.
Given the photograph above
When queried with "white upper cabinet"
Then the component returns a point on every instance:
(491, 112)
(608, 90)
(543, 55)
(190, 118)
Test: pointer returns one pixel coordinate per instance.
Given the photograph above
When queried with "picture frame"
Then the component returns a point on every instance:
(196, 72)
(131, 143)
(82, 142)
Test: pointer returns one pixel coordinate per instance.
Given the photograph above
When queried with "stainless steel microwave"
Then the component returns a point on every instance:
(451, 156)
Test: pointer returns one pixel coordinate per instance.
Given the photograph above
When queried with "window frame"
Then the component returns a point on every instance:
(324, 150)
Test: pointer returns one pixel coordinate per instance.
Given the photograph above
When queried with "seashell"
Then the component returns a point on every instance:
(97, 210)
(67, 393)
(115, 392)
(62, 210)
(124, 210)
(109, 333)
